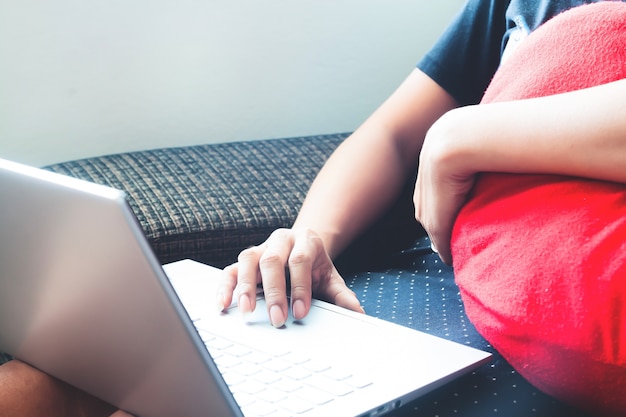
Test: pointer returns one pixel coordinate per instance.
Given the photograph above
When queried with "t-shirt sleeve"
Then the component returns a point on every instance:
(467, 55)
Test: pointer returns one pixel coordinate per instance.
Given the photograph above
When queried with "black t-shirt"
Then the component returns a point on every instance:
(465, 58)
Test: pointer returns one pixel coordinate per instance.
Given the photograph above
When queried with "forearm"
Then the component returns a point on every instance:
(25, 391)
(366, 173)
(357, 183)
(582, 133)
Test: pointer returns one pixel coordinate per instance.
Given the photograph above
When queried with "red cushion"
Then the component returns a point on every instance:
(541, 260)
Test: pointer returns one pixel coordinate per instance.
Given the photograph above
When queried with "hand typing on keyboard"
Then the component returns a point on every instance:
(295, 253)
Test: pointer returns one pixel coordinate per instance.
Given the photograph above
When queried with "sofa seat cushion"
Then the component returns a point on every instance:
(208, 202)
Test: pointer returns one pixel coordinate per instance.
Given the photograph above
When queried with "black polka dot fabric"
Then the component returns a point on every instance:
(419, 292)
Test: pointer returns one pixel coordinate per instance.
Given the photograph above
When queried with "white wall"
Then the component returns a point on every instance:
(83, 78)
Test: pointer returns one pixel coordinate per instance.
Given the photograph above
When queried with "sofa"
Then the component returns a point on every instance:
(209, 202)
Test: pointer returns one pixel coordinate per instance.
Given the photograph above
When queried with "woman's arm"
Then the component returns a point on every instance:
(366, 173)
(580, 133)
(359, 181)
(26, 391)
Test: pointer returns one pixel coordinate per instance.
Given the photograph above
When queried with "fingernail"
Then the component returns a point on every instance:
(245, 306)
(276, 316)
(298, 309)
(433, 247)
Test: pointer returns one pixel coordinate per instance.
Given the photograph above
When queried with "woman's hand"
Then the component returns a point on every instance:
(443, 182)
(580, 134)
(294, 257)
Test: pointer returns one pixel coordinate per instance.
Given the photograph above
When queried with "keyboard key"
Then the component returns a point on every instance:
(313, 395)
(296, 358)
(316, 366)
(218, 343)
(258, 358)
(277, 365)
(238, 350)
(267, 377)
(272, 395)
(247, 369)
(337, 374)
(295, 405)
(281, 413)
(287, 385)
(297, 373)
(226, 361)
(260, 409)
(328, 385)
(358, 381)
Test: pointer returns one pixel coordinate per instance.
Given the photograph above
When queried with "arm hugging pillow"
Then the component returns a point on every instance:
(541, 260)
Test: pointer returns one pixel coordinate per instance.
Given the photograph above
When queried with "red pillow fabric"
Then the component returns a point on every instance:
(541, 260)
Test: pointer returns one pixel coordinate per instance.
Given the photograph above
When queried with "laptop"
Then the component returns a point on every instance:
(83, 298)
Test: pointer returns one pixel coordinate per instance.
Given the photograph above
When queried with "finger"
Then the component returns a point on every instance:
(347, 299)
(226, 287)
(247, 279)
(444, 211)
(307, 248)
(272, 264)
(442, 248)
(431, 213)
(439, 237)
(339, 294)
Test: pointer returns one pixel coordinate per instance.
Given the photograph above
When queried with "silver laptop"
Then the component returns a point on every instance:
(83, 298)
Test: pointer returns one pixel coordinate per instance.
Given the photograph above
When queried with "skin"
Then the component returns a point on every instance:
(339, 206)
(26, 391)
(579, 133)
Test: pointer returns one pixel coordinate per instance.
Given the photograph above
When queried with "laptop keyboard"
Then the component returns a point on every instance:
(278, 383)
